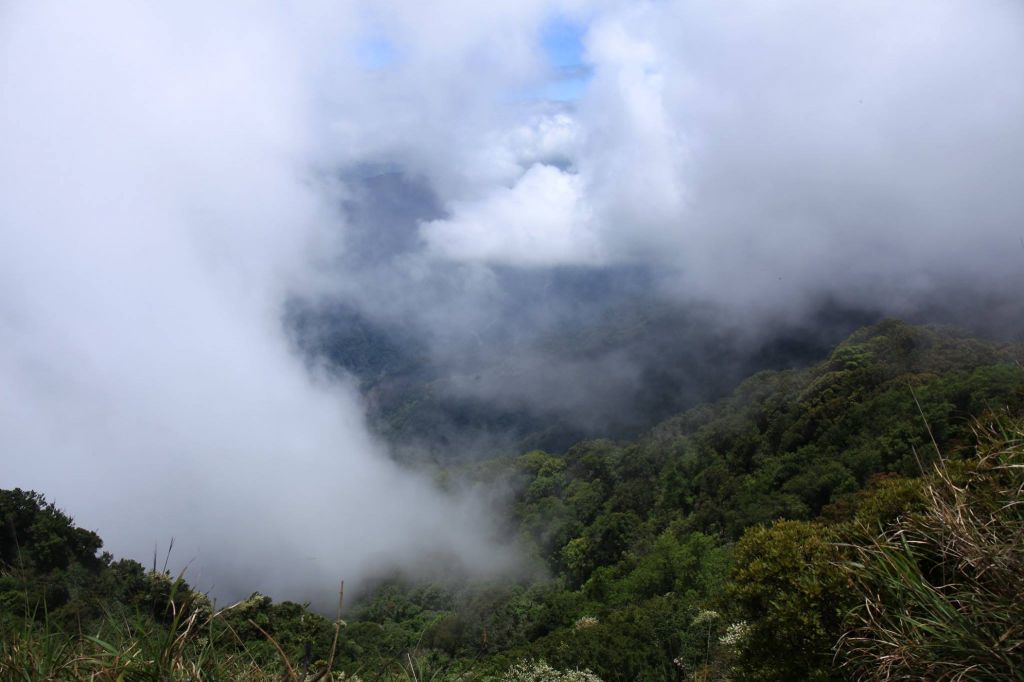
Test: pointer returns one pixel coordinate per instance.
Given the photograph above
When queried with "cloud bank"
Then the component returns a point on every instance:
(158, 205)
(760, 153)
(172, 179)
(772, 164)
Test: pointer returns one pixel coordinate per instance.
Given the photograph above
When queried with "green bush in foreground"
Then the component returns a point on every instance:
(787, 585)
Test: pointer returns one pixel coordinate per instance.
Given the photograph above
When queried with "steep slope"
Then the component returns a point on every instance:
(640, 535)
(712, 546)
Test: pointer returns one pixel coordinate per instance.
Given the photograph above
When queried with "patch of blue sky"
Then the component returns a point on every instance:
(561, 40)
(376, 52)
(562, 89)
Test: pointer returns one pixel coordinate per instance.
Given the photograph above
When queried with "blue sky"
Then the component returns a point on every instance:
(376, 51)
(562, 42)
(560, 38)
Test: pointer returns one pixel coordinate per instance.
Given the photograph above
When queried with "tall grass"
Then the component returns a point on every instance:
(943, 589)
(193, 643)
(129, 649)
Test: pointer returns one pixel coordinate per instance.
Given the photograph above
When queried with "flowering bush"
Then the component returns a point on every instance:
(584, 622)
(735, 634)
(539, 671)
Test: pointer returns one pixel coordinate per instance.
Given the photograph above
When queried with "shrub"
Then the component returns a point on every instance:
(787, 586)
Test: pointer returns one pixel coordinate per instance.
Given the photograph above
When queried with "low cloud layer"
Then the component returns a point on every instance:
(760, 154)
(158, 206)
(172, 180)
(775, 164)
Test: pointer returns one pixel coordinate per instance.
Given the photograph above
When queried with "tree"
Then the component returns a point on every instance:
(786, 584)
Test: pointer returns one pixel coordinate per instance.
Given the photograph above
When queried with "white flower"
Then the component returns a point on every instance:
(735, 633)
(539, 671)
(585, 622)
(706, 617)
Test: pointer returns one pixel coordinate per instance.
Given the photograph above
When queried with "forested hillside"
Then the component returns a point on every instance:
(781, 533)
(613, 364)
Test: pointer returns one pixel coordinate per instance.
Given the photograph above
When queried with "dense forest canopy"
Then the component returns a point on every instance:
(738, 538)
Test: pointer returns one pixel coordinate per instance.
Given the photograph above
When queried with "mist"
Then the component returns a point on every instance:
(236, 241)
(158, 206)
(722, 183)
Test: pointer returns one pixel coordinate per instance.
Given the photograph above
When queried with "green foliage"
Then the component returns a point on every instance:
(50, 570)
(710, 548)
(787, 585)
(626, 524)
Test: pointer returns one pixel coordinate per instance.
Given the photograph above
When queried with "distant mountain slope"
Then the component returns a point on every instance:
(609, 368)
(787, 443)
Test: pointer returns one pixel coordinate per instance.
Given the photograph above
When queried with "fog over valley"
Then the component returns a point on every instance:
(267, 270)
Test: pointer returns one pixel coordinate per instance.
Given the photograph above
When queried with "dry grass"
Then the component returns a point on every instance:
(944, 589)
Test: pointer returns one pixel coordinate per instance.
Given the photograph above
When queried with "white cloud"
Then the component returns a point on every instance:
(539, 221)
(167, 177)
(157, 206)
(770, 153)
